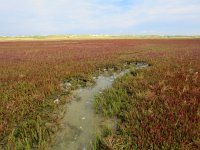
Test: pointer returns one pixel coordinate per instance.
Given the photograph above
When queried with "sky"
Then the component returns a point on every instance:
(114, 17)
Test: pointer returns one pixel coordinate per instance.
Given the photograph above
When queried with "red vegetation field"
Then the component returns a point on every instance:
(30, 73)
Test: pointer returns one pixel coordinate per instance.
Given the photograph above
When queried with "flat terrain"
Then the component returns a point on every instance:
(90, 37)
(161, 110)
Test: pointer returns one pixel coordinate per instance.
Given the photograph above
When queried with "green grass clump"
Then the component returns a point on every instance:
(29, 134)
(111, 101)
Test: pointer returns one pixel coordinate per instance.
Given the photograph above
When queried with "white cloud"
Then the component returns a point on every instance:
(62, 16)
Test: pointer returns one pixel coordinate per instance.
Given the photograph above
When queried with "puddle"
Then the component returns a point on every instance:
(140, 65)
(80, 120)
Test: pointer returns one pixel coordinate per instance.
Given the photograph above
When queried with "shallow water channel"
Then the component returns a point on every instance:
(80, 121)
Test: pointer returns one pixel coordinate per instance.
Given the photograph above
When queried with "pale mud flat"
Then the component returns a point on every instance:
(80, 121)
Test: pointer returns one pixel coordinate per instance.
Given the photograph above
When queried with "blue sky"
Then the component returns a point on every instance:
(44, 17)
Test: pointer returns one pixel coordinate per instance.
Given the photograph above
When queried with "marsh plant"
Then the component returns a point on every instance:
(158, 107)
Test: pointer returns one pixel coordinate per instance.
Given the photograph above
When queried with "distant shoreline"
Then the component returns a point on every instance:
(91, 37)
